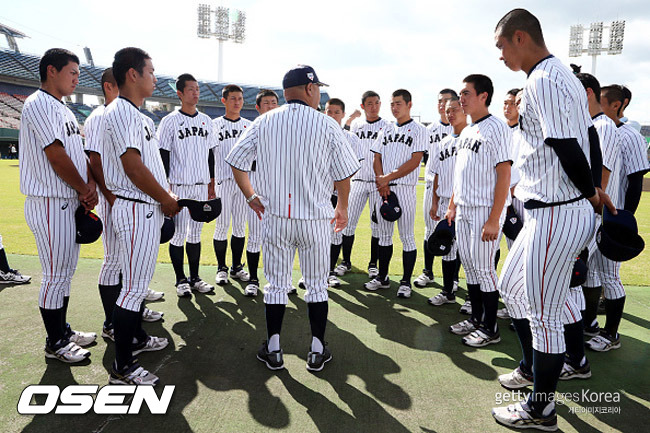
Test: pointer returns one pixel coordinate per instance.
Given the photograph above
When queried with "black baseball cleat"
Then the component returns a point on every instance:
(316, 361)
(273, 360)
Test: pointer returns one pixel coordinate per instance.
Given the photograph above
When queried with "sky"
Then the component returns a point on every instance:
(419, 45)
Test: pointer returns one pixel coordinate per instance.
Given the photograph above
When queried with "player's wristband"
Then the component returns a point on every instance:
(251, 198)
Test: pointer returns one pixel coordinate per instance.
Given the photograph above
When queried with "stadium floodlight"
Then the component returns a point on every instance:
(595, 45)
(595, 42)
(222, 30)
(575, 40)
(616, 34)
(204, 21)
(239, 27)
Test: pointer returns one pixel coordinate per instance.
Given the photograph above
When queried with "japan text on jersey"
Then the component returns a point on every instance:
(397, 143)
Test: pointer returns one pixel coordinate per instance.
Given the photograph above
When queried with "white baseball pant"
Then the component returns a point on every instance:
(109, 274)
(185, 227)
(407, 197)
(233, 206)
(361, 191)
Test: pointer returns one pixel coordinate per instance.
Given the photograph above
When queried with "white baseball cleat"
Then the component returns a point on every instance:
(376, 283)
(201, 286)
(239, 273)
(342, 268)
(12, 276)
(151, 315)
(151, 344)
(424, 279)
(222, 277)
(252, 288)
(152, 295)
(183, 289)
(68, 353)
(333, 281)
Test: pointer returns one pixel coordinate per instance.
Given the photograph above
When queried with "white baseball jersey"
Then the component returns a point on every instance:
(397, 143)
(610, 148)
(481, 146)
(437, 131)
(633, 153)
(553, 105)
(125, 127)
(283, 151)
(94, 130)
(444, 163)
(515, 137)
(368, 132)
(189, 139)
(45, 119)
(227, 133)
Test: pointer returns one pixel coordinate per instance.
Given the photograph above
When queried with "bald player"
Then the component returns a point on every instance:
(55, 177)
(557, 188)
(437, 131)
(265, 101)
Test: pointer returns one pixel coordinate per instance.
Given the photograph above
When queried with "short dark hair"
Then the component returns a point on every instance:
(369, 94)
(628, 95)
(128, 58)
(57, 57)
(589, 82)
(404, 94)
(337, 101)
(231, 88)
(182, 80)
(449, 91)
(520, 19)
(263, 93)
(481, 83)
(614, 93)
(453, 98)
(513, 92)
(107, 77)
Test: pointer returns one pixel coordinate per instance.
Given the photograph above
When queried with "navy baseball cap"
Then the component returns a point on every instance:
(88, 226)
(202, 211)
(579, 273)
(167, 230)
(299, 76)
(442, 238)
(618, 236)
(390, 209)
(512, 224)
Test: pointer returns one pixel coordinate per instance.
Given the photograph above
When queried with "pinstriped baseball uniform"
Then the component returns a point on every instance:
(362, 188)
(355, 144)
(554, 105)
(109, 273)
(51, 203)
(254, 241)
(633, 151)
(136, 216)
(437, 132)
(396, 144)
(300, 153)
(481, 146)
(233, 203)
(189, 139)
(517, 204)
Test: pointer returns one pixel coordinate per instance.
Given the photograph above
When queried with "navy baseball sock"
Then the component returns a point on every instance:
(457, 268)
(428, 258)
(497, 256)
(546, 372)
(348, 241)
(490, 306)
(64, 314)
(384, 254)
(525, 335)
(318, 319)
(613, 314)
(109, 295)
(475, 297)
(592, 296)
(220, 252)
(4, 264)
(125, 324)
(140, 333)
(274, 316)
(193, 252)
(575, 343)
(408, 261)
(237, 249)
(253, 260)
(176, 254)
(374, 249)
(335, 250)
(448, 273)
(52, 322)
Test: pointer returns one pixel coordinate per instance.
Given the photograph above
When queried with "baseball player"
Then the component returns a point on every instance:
(228, 129)
(301, 154)
(558, 192)
(266, 100)
(110, 275)
(480, 194)
(440, 168)
(54, 176)
(8, 275)
(437, 131)
(335, 108)
(187, 140)
(363, 188)
(398, 152)
(134, 173)
(626, 194)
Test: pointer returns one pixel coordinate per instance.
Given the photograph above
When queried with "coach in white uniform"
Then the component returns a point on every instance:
(557, 188)
(301, 155)
(55, 178)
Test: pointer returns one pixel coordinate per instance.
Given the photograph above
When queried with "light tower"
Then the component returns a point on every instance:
(228, 26)
(595, 41)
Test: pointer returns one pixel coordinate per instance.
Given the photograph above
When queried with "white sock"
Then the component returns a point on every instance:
(316, 345)
(583, 361)
(274, 343)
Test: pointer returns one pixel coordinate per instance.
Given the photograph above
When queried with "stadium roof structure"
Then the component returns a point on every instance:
(11, 35)
(22, 69)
